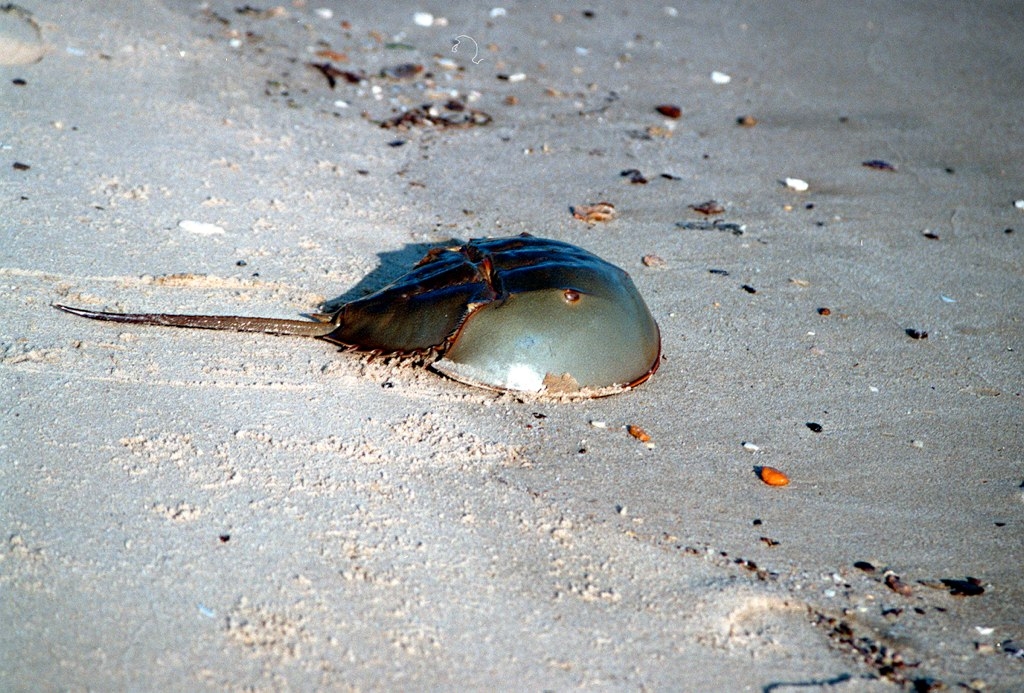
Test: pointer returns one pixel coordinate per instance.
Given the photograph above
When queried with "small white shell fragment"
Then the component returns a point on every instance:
(517, 77)
(599, 424)
(1019, 204)
(720, 77)
(200, 228)
(497, 12)
(423, 19)
(919, 444)
(580, 50)
(750, 446)
(947, 299)
(671, 11)
(324, 12)
(797, 184)
(983, 630)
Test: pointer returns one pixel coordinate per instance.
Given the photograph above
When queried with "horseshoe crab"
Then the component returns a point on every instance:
(521, 313)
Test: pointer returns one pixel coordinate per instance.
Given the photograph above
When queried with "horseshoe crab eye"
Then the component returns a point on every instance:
(571, 296)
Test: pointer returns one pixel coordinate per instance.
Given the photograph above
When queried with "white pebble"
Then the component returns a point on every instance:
(580, 50)
(797, 184)
(982, 630)
(919, 444)
(200, 227)
(517, 77)
(423, 19)
(671, 12)
(720, 77)
(947, 299)
(599, 424)
(497, 12)
(750, 446)
(324, 12)
(1019, 204)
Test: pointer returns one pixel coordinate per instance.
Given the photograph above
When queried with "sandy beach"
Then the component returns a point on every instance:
(816, 200)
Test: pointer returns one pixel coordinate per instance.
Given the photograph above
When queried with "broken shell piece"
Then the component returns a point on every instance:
(200, 228)
(669, 110)
(709, 208)
(638, 433)
(772, 476)
(654, 261)
(602, 211)
(797, 184)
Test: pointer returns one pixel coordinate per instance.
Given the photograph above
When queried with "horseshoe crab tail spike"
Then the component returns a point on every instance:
(322, 327)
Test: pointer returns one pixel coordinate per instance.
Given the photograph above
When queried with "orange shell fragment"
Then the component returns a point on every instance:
(592, 214)
(772, 476)
(638, 433)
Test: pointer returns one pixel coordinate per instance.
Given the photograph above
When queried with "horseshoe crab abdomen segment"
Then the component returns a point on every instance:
(601, 339)
(419, 312)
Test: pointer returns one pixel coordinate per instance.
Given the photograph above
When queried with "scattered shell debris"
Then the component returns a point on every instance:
(431, 116)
